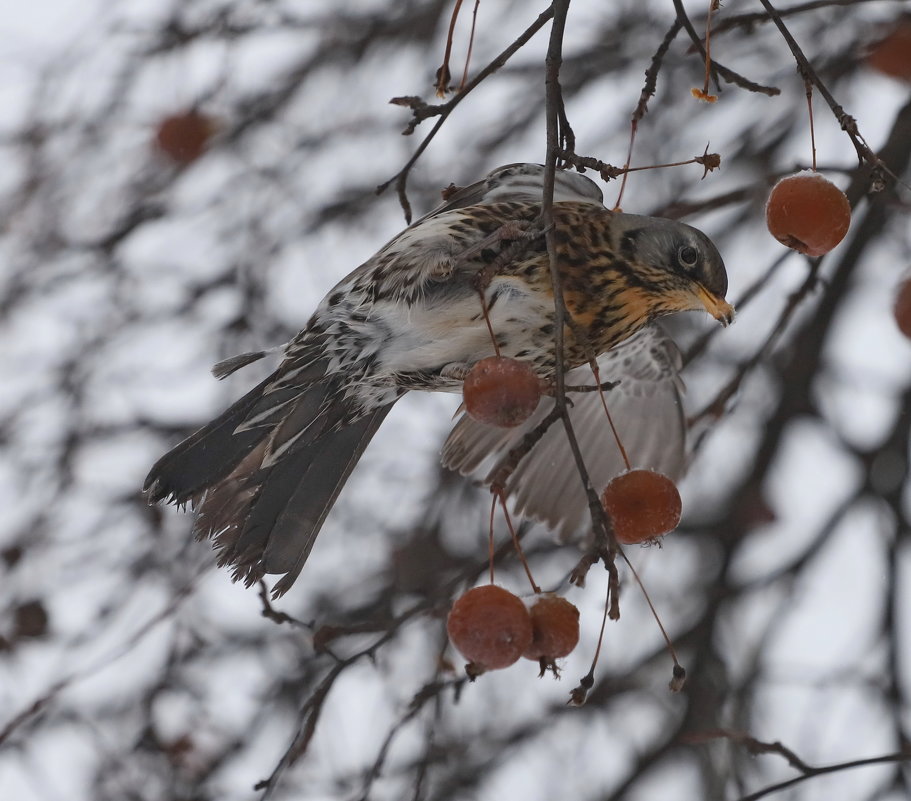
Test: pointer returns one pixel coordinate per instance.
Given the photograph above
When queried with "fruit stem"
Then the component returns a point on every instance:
(474, 22)
(809, 87)
(442, 81)
(670, 645)
(708, 48)
(597, 656)
(515, 541)
(490, 547)
(597, 373)
(578, 695)
(634, 126)
(493, 339)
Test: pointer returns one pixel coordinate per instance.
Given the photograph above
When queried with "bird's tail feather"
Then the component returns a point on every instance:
(207, 456)
(263, 491)
(266, 519)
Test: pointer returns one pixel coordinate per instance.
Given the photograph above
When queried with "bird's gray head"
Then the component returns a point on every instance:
(683, 263)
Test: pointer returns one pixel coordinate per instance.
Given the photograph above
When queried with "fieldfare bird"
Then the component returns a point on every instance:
(265, 473)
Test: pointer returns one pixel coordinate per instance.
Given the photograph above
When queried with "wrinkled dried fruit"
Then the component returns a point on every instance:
(184, 137)
(31, 619)
(902, 307)
(642, 505)
(501, 391)
(808, 213)
(892, 55)
(555, 627)
(490, 627)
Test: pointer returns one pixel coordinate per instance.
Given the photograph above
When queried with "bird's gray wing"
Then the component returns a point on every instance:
(646, 408)
(426, 252)
(520, 181)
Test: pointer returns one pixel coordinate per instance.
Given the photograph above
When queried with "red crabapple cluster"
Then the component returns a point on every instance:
(490, 626)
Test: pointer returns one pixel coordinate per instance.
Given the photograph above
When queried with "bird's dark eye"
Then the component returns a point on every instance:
(687, 255)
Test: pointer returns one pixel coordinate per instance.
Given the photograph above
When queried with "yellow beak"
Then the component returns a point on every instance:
(719, 308)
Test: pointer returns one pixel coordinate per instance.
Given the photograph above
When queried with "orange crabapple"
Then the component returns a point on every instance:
(490, 627)
(808, 213)
(642, 505)
(501, 391)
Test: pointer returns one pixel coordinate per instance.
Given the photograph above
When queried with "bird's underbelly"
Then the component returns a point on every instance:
(428, 337)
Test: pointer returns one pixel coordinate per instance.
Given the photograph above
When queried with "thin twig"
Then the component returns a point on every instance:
(474, 23)
(748, 20)
(422, 111)
(648, 91)
(846, 121)
(651, 74)
(273, 614)
(719, 70)
(821, 771)
(553, 103)
(708, 161)
(103, 662)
